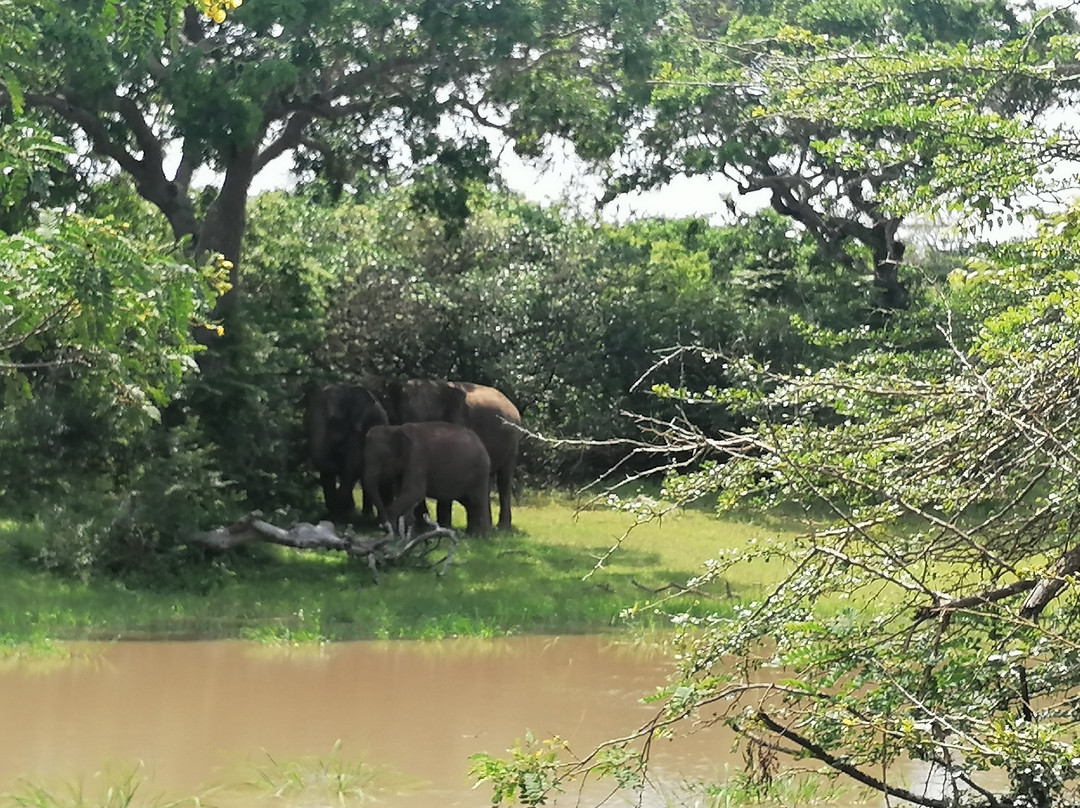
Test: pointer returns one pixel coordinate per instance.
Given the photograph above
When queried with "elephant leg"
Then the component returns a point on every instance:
(444, 510)
(504, 477)
(328, 479)
(377, 491)
(478, 510)
(409, 500)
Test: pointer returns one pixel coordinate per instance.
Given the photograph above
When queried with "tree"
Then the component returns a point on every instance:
(344, 87)
(929, 612)
(848, 117)
(96, 338)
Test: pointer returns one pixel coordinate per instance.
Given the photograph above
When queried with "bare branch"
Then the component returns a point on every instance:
(820, 753)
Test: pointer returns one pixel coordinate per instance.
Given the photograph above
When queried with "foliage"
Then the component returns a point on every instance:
(928, 613)
(527, 778)
(846, 117)
(350, 89)
(29, 162)
(97, 339)
(333, 779)
(133, 524)
(377, 290)
(77, 292)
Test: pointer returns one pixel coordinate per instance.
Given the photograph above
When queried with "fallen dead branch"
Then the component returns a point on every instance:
(377, 551)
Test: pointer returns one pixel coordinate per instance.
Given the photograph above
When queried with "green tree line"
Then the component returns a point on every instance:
(562, 313)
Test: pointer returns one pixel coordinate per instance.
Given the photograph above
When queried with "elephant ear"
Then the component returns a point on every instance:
(364, 409)
(452, 405)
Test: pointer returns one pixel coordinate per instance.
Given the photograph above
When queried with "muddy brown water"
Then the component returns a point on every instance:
(227, 721)
(207, 717)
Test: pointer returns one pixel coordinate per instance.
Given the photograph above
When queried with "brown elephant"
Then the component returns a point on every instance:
(337, 418)
(485, 410)
(434, 459)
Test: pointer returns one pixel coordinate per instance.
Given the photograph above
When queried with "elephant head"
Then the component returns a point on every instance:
(337, 418)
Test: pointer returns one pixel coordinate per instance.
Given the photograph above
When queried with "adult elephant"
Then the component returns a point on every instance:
(434, 459)
(485, 410)
(337, 420)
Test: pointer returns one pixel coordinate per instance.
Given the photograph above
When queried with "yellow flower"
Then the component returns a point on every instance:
(215, 9)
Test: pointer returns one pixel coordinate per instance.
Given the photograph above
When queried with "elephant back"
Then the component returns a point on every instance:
(419, 400)
(494, 417)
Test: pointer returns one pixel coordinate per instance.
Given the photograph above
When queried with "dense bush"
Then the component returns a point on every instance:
(564, 314)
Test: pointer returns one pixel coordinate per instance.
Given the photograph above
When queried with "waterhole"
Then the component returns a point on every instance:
(393, 723)
(240, 724)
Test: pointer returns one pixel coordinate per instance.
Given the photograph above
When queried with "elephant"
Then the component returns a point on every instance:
(431, 459)
(485, 410)
(337, 419)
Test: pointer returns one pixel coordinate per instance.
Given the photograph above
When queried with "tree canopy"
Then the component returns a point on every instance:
(848, 117)
(346, 88)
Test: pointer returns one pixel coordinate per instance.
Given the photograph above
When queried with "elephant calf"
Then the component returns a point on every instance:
(485, 410)
(430, 459)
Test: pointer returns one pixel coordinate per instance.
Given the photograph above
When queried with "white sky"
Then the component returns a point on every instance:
(561, 177)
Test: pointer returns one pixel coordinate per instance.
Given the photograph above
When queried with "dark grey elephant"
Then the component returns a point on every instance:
(434, 459)
(486, 411)
(337, 419)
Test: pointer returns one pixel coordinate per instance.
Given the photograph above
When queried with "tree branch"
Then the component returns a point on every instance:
(819, 753)
(1049, 586)
(289, 138)
(947, 604)
(376, 551)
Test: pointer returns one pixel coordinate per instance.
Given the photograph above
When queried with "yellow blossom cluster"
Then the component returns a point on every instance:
(216, 9)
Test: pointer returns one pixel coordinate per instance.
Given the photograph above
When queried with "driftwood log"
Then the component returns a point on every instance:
(377, 551)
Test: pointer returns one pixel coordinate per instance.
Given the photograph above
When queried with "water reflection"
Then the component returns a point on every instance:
(406, 715)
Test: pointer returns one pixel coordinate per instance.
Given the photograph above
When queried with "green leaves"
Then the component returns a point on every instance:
(928, 611)
(79, 293)
(28, 158)
(528, 777)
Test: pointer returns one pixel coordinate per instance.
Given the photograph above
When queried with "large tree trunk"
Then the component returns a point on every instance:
(226, 220)
(888, 255)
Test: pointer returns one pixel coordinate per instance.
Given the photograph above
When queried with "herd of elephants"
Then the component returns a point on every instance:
(415, 440)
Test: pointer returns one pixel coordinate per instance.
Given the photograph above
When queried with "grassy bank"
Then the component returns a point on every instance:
(530, 581)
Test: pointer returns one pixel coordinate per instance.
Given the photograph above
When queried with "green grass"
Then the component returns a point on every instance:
(333, 780)
(793, 789)
(535, 579)
(109, 789)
